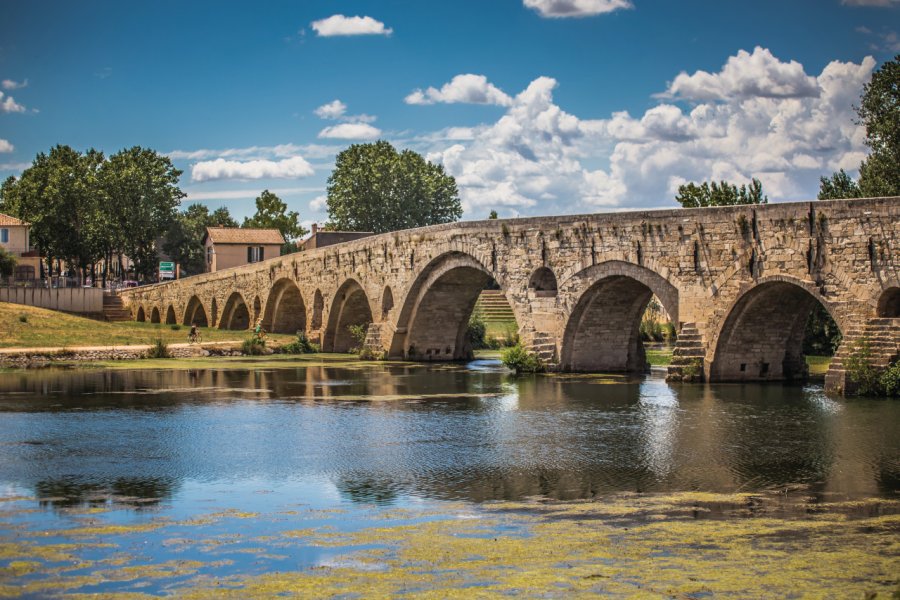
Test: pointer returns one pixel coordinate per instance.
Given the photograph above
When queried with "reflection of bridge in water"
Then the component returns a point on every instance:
(740, 283)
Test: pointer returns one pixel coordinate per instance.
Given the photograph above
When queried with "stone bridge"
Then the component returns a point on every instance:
(739, 282)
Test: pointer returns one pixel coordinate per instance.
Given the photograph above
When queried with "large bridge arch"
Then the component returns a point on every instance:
(171, 319)
(349, 307)
(195, 313)
(141, 316)
(285, 310)
(434, 316)
(154, 315)
(761, 338)
(602, 330)
(236, 314)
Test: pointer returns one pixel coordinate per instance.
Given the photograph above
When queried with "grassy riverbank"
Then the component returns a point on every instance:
(30, 327)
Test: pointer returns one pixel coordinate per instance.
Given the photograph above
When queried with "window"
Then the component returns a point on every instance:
(255, 254)
(4, 236)
(209, 253)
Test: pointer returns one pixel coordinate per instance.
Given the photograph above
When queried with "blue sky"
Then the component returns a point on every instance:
(535, 106)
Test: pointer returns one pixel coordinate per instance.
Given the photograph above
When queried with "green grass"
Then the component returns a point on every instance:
(48, 328)
(659, 357)
(818, 365)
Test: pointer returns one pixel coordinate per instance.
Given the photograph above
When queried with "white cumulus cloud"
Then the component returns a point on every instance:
(746, 75)
(541, 159)
(351, 131)
(9, 84)
(333, 110)
(220, 168)
(343, 25)
(9, 105)
(466, 89)
(576, 8)
(5, 146)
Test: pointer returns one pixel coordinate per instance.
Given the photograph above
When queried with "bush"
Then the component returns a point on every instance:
(669, 332)
(511, 336)
(301, 345)
(253, 346)
(176, 327)
(475, 332)
(521, 360)
(889, 380)
(860, 369)
(159, 349)
(651, 330)
(358, 333)
(23, 318)
(369, 354)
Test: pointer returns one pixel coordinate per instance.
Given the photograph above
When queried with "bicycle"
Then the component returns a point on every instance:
(195, 337)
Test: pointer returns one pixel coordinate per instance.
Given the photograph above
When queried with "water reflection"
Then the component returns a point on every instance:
(380, 433)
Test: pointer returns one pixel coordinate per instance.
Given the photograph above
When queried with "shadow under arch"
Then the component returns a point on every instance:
(236, 315)
(171, 319)
(602, 333)
(154, 315)
(889, 303)
(435, 314)
(140, 317)
(761, 339)
(350, 307)
(285, 310)
(195, 313)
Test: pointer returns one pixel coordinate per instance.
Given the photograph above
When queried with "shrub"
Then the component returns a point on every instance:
(493, 343)
(889, 381)
(860, 369)
(511, 336)
(369, 354)
(176, 327)
(253, 346)
(301, 345)
(669, 332)
(475, 332)
(23, 318)
(521, 360)
(159, 349)
(358, 333)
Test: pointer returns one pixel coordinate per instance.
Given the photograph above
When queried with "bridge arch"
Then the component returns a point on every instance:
(889, 303)
(435, 314)
(350, 307)
(154, 315)
(318, 309)
(171, 319)
(285, 310)
(543, 283)
(236, 315)
(140, 317)
(761, 338)
(602, 332)
(387, 301)
(195, 313)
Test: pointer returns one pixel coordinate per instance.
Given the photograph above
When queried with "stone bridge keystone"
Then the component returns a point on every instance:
(739, 282)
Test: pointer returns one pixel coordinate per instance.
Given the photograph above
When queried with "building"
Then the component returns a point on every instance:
(227, 247)
(320, 239)
(15, 238)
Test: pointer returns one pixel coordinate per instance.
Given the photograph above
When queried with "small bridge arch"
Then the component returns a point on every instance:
(236, 315)
(350, 307)
(285, 310)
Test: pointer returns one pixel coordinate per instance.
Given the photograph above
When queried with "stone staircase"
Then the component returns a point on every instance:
(544, 347)
(493, 307)
(883, 336)
(114, 309)
(688, 355)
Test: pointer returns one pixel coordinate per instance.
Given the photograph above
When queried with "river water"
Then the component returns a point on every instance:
(361, 439)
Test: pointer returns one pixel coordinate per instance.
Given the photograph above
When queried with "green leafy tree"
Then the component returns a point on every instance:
(272, 213)
(375, 188)
(493, 215)
(879, 111)
(839, 185)
(7, 263)
(144, 197)
(184, 240)
(691, 195)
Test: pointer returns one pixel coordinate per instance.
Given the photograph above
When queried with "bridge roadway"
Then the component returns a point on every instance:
(739, 282)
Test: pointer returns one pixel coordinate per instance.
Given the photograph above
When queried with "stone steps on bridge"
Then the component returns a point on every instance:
(114, 309)
(493, 306)
(688, 355)
(883, 337)
(544, 347)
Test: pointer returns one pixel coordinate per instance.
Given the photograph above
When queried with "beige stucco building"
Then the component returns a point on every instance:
(226, 247)
(15, 239)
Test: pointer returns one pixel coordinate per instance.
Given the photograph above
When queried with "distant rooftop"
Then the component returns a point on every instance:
(6, 220)
(243, 235)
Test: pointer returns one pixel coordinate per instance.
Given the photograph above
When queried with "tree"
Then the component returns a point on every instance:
(839, 185)
(692, 195)
(879, 173)
(7, 263)
(375, 188)
(184, 240)
(493, 215)
(272, 213)
(142, 187)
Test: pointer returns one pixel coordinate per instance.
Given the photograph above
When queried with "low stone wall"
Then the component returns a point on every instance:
(29, 359)
(73, 300)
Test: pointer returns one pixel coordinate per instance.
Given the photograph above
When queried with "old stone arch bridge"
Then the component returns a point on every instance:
(738, 281)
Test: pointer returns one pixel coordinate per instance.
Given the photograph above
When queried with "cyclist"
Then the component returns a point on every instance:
(194, 335)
